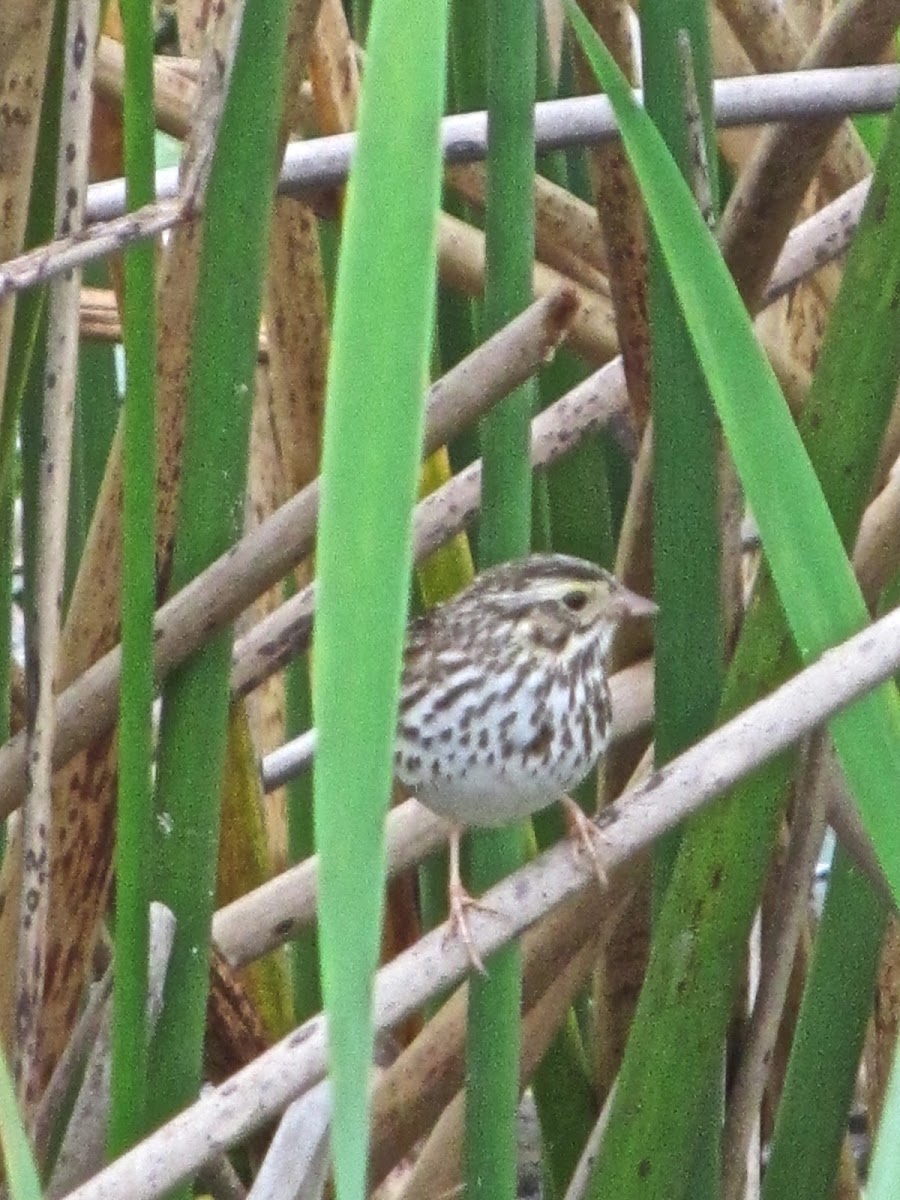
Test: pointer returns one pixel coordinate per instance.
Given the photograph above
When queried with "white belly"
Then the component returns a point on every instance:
(494, 774)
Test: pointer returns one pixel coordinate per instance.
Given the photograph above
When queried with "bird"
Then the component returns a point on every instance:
(505, 703)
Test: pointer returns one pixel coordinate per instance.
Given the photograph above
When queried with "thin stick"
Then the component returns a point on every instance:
(699, 165)
(789, 913)
(84, 1144)
(55, 462)
(817, 241)
(324, 162)
(297, 1162)
(581, 121)
(577, 1188)
(70, 1063)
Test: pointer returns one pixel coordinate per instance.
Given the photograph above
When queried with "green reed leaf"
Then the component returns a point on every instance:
(196, 697)
(372, 444)
(21, 1172)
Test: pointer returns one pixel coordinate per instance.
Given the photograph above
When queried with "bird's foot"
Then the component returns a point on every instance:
(587, 837)
(460, 904)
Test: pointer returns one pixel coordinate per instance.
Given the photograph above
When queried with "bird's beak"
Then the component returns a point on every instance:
(629, 604)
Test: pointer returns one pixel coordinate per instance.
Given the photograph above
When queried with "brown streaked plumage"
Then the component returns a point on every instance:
(504, 700)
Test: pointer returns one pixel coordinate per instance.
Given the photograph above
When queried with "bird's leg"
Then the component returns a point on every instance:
(586, 836)
(460, 901)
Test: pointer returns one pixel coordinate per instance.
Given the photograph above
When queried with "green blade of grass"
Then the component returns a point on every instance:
(822, 1071)
(134, 833)
(493, 1048)
(21, 1172)
(571, 499)
(372, 443)
(689, 633)
(211, 507)
(571, 514)
(301, 841)
(688, 643)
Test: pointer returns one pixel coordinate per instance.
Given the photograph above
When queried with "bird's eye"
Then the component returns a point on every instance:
(575, 601)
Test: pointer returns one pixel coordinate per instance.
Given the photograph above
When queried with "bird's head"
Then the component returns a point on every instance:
(559, 601)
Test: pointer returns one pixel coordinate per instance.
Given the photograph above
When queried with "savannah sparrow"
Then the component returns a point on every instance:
(504, 701)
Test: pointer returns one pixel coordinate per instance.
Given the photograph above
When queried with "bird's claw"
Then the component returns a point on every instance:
(587, 837)
(460, 902)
